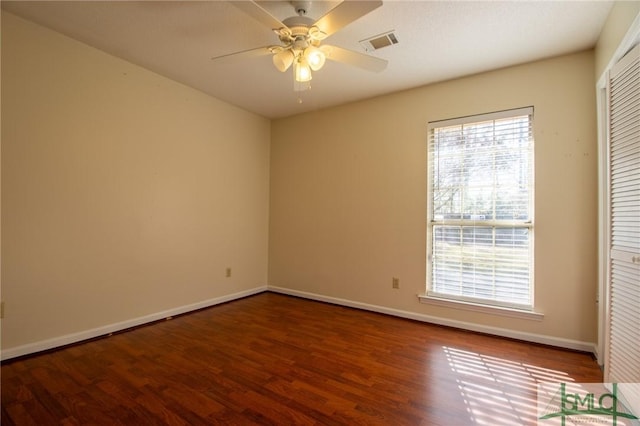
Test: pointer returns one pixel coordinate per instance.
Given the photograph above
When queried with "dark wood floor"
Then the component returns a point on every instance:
(274, 359)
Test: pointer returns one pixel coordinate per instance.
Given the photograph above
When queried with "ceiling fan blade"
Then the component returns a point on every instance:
(258, 13)
(357, 59)
(344, 14)
(244, 54)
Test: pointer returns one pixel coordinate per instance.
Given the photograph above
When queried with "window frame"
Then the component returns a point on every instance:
(476, 303)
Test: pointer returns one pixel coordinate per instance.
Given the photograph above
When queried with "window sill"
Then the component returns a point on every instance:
(476, 307)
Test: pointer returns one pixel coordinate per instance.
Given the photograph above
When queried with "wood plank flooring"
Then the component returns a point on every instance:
(274, 359)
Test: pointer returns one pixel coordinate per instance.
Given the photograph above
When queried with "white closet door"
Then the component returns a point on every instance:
(623, 361)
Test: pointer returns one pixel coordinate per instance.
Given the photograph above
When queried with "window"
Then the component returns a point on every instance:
(480, 212)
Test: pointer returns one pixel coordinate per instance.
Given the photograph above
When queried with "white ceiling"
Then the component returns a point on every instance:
(438, 40)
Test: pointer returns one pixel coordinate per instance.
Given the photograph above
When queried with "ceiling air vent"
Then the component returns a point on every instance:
(379, 41)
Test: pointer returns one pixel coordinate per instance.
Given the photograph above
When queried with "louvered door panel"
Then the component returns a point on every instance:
(623, 363)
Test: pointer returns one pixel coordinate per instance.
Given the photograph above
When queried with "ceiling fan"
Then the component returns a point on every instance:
(301, 39)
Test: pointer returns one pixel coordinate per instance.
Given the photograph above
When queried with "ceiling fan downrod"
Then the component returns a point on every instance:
(301, 7)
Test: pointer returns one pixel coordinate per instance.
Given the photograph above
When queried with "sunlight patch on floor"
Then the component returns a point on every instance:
(496, 391)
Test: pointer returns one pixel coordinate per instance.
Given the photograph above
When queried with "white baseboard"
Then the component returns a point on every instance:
(496, 331)
(55, 342)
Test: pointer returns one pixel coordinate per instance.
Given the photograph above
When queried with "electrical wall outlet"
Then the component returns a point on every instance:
(395, 282)
(227, 272)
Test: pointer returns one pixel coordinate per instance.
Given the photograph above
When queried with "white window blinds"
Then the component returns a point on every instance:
(480, 208)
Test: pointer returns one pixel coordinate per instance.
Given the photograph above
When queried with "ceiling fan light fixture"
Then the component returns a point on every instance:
(315, 57)
(283, 60)
(301, 70)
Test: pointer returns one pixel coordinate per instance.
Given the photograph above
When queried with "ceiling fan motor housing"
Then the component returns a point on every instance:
(298, 29)
(298, 24)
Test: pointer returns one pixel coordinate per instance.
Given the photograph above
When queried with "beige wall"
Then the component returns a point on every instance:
(622, 15)
(123, 193)
(348, 194)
